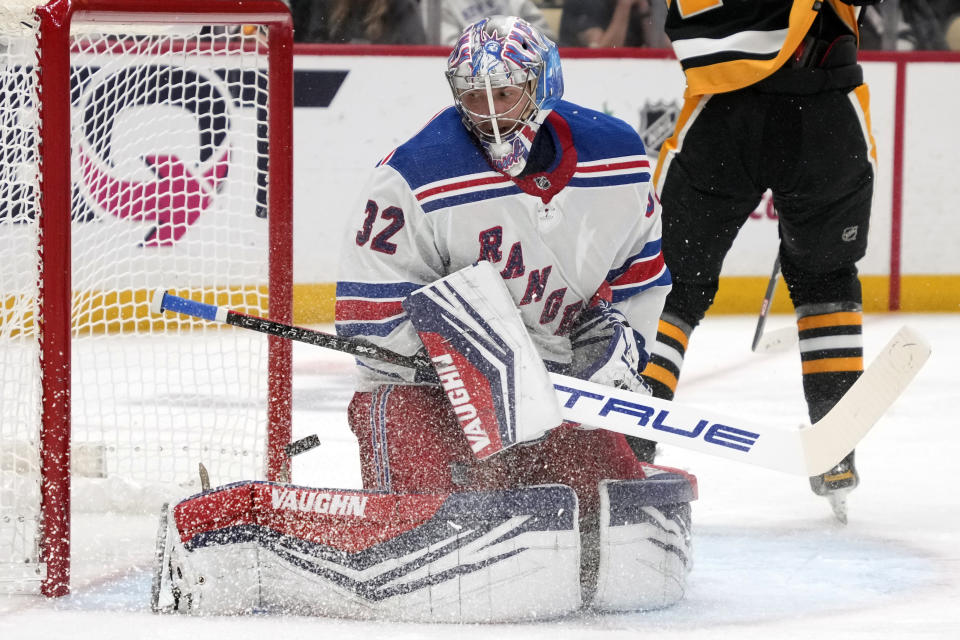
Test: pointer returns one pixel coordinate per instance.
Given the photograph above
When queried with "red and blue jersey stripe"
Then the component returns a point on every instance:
(639, 272)
(370, 308)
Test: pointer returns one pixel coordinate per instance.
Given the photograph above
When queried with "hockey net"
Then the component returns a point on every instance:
(134, 156)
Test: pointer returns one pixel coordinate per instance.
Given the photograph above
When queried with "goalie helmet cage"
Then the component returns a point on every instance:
(142, 144)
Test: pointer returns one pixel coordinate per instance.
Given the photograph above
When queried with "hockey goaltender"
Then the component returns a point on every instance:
(478, 505)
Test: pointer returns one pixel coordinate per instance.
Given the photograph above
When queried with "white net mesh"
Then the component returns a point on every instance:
(17, 18)
(168, 152)
(19, 268)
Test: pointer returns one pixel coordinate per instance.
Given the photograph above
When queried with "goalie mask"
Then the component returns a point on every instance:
(506, 78)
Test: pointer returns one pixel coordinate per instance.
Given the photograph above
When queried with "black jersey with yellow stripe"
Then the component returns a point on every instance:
(724, 45)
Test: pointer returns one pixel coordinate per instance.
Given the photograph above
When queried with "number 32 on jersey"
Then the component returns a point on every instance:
(381, 241)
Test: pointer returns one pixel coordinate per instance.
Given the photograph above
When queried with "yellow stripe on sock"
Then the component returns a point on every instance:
(828, 365)
(661, 375)
(838, 319)
(674, 332)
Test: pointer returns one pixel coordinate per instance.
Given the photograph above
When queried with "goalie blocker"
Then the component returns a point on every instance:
(492, 556)
(485, 359)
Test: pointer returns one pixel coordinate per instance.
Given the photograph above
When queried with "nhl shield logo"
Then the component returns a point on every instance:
(657, 120)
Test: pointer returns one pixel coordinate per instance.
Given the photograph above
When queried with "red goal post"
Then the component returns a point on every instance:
(113, 220)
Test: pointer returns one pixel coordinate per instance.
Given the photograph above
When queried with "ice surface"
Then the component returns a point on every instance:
(770, 562)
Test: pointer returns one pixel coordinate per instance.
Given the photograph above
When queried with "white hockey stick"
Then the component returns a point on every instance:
(808, 451)
(778, 340)
(469, 317)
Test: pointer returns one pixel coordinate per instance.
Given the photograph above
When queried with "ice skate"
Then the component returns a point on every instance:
(836, 484)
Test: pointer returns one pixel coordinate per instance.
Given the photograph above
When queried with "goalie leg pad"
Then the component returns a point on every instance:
(162, 597)
(576, 458)
(410, 442)
(645, 541)
(466, 557)
(222, 578)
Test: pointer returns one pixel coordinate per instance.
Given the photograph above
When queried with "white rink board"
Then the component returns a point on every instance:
(931, 207)
(385, 100)
(137, 131)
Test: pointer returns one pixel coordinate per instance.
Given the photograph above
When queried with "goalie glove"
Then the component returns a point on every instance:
(606, 350)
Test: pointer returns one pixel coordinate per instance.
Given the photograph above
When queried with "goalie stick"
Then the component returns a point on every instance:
(164, 301)
(778, 339)
(808, 450)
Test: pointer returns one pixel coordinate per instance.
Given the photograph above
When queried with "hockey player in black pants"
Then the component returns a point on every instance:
(774, 99)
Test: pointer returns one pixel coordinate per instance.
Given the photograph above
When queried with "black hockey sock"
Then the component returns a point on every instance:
(662, 372)
(666, 356)
(831, 352)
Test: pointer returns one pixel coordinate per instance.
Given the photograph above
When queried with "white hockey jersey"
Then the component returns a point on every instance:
(587, 225)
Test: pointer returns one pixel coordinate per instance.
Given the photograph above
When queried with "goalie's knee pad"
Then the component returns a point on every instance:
(644, 540)
(463, 557)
